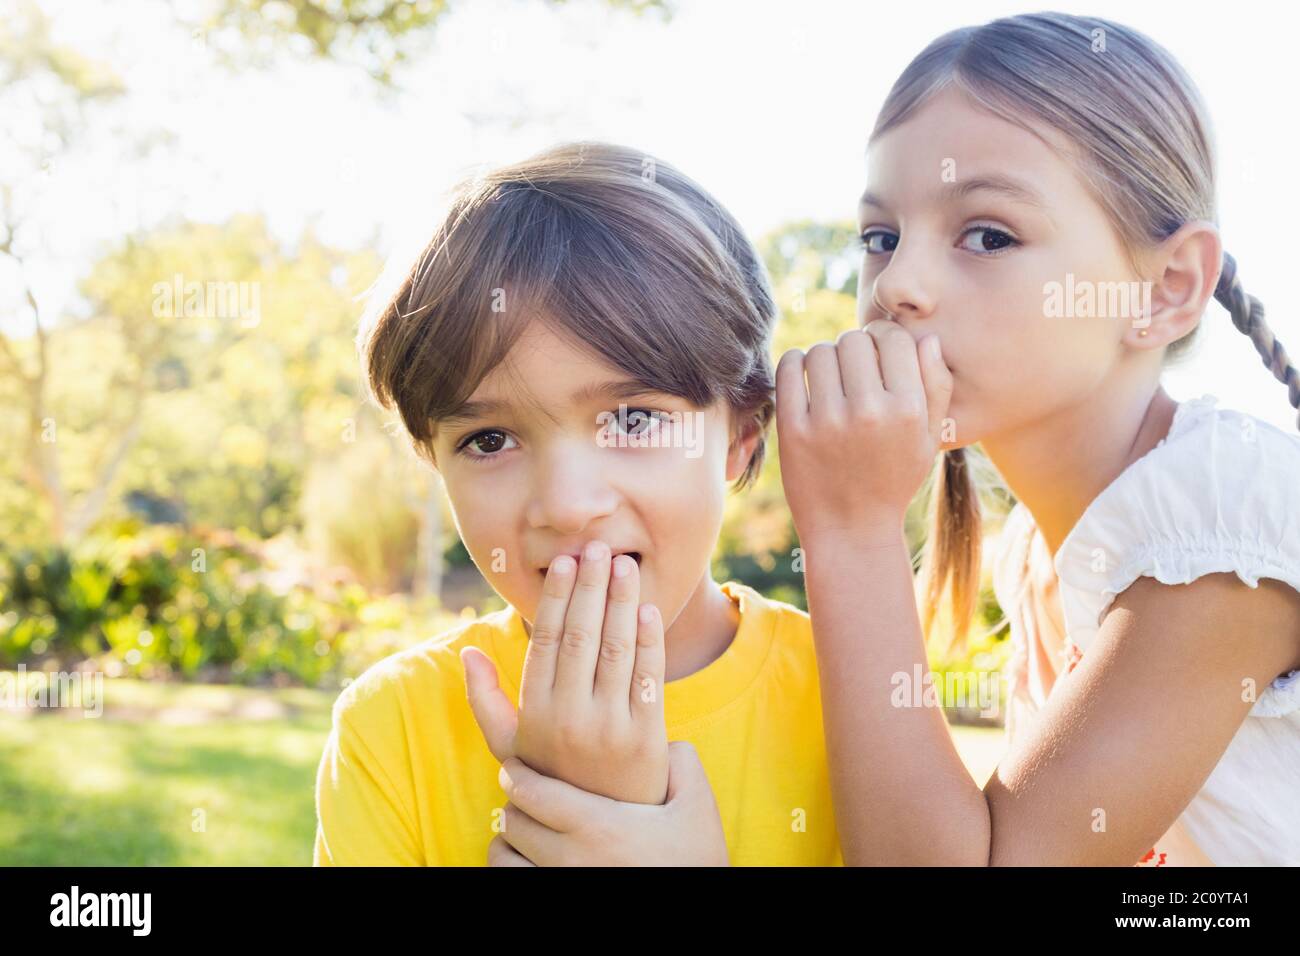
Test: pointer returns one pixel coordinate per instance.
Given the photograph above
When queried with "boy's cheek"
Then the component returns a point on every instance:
(506, 572)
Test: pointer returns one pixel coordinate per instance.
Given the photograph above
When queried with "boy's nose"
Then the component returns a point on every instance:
(570, 495)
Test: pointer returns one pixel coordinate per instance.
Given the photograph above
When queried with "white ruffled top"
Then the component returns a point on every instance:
(1220, 493)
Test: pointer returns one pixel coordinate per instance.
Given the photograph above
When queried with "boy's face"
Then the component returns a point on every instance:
(547, 464)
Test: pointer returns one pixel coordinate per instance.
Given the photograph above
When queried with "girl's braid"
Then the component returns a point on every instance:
(1248, 316)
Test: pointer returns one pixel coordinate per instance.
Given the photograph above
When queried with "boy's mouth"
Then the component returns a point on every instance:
(636, 556)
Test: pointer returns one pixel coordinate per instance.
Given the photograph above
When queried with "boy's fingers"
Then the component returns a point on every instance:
(495, 714)
(532, 840)
(938, 384)
(553, 803)
(791, 393)
(647, 700)
(690, 798)
(575, 665)
(618, 640)
(548, 630)
(501, 853)
(687, 778)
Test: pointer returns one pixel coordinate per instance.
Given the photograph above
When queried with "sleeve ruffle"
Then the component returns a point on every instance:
(1223, 497)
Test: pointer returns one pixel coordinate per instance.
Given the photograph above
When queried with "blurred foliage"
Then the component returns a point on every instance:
(252, 422)
(161, 602)
(377, 35)
(375, 535)
(27, 51)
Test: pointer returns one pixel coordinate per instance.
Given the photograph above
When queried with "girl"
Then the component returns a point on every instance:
(1009, 162)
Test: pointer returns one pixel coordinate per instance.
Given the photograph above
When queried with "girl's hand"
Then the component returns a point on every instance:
(550, 823)
(591, 699)
(857, 443)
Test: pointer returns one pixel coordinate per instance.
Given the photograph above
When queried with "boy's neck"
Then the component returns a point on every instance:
(702, 631)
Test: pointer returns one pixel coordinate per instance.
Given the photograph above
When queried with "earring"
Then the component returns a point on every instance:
(1142, 333)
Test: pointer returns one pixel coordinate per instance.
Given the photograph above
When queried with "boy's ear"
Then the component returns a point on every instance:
(1186, 267)
(742, 449)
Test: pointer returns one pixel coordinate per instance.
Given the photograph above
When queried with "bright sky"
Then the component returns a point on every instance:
(767, 104)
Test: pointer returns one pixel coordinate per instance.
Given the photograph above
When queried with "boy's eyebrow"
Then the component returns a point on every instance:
(1006, 186)
(620, 388)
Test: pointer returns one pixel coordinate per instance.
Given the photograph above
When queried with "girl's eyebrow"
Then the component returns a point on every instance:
(616, 389)
(1006, 186)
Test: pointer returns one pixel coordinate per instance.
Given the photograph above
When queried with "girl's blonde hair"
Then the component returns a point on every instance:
(617, 251)
(1143, 136)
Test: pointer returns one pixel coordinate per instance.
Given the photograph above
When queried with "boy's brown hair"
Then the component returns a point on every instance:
(619, 252)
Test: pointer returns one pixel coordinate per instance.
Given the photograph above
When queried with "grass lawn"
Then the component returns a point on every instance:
(122, 789)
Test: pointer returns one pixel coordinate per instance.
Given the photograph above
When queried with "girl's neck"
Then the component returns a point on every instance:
(1058, 465)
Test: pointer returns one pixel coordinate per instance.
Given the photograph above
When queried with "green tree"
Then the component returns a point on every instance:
(376, 35)
(49, 88)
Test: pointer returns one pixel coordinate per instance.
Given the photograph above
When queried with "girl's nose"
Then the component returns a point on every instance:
(901, 289)
(880, 311)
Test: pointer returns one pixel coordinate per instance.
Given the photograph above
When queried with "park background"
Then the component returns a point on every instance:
(204, 508)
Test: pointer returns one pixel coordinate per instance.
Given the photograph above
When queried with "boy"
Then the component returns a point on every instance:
(581, 352)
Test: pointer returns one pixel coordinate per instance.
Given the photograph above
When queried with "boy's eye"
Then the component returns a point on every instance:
(491, 442)
(485, 444)
(639, 422)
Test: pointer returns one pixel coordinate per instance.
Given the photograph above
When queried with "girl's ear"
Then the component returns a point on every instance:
(1186, 266)
(742, 449)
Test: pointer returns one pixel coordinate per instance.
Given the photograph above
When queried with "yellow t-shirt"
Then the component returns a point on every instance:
(406, 778)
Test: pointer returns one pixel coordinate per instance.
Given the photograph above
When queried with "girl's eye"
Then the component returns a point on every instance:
(877, 241)
(485, 444)
(993, 240)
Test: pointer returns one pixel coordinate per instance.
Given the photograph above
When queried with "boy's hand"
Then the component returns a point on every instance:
(591, 698)
(551, 823)
(858, 441)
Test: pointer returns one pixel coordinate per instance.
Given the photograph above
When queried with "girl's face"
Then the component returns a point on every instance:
(544, 463)
(967, 221)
